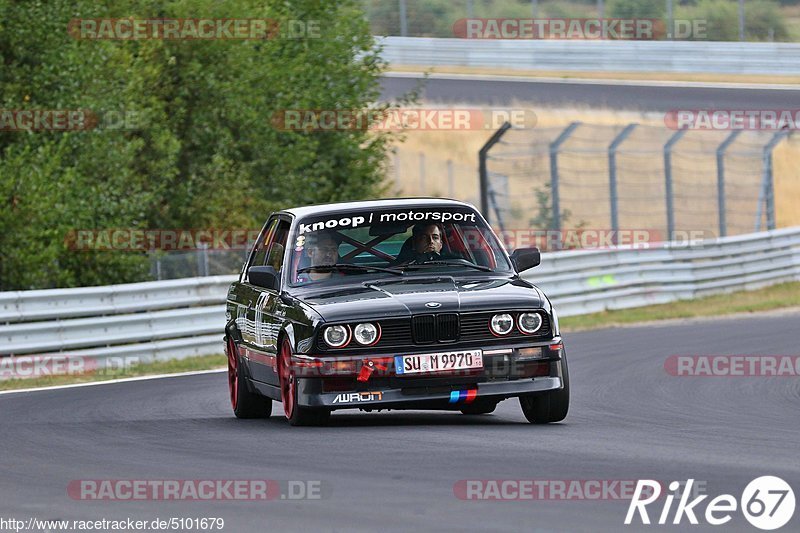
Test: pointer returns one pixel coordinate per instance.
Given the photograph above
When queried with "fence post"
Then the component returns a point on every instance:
(422, 187)
(498, 214)
(767, 196)
(483, 173)
(403, 19)
(723, 224)
(202, 259)
(668, 182)
(741, 20)
(612, 176)
(670, 21)
(450, 179)
(555, 146)
(396, 170)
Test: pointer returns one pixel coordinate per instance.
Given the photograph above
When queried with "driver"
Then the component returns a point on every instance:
(322, 248)
(427, 240)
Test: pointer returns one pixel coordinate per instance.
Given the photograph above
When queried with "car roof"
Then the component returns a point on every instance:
(363, 205)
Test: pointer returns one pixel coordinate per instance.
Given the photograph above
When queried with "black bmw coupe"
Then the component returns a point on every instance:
(390, 304)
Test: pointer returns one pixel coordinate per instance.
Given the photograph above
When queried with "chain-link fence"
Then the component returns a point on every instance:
(742, 20)
(582, 177)
(632, 177)
(413, 173)
(193, 263)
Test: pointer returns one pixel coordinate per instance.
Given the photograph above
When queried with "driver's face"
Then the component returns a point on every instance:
(430, 240)
(324, 252)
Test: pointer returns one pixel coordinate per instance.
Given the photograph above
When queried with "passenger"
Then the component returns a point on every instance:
(322, 248)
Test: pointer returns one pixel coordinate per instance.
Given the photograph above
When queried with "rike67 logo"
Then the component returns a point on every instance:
(767, 502)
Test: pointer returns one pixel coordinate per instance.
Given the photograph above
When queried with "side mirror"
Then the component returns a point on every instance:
(264, 276)
(525, 258)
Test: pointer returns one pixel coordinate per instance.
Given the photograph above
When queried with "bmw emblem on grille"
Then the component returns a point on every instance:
(433, 305)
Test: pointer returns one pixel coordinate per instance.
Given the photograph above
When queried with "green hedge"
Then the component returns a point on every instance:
(198, 149)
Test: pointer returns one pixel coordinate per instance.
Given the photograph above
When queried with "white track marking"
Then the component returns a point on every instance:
(112, 381)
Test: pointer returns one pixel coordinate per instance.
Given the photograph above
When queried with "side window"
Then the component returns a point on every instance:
(275, 256)
(270, 246)
(262, 245)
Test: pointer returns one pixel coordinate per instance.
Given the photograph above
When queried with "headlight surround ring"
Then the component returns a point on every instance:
(525, 326)
(501, 324)
(367, 333)
(342, 336)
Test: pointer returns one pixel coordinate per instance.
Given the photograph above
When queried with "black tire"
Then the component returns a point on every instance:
(245, 403)
(553, 406)
(480, 407)
(295, 414)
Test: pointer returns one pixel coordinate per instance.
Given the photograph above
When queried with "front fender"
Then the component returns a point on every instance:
(232, 331)
(287, 332)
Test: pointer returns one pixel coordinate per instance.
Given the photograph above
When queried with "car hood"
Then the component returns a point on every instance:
(403, 298)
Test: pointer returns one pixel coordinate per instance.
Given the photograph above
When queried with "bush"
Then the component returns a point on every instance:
(722, 18)
(201, 151)
(631, 9)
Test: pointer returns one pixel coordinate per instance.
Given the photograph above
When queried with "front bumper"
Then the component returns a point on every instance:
(441, 397)
(506, 374)
(508, 371)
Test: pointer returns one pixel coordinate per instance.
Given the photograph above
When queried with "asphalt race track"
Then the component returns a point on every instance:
(596, 94)
(396, 471)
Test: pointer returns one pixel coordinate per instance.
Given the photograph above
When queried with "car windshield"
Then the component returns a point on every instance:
(386, 243)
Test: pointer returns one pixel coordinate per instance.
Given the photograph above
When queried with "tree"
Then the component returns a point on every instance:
(198, 148)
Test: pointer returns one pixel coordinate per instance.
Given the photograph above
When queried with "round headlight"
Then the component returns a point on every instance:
(336, 336)
(366, 334)
(529, 323)
(501, 324)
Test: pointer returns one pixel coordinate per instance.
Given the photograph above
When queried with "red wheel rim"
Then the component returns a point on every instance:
(233, 374)
(288, 381)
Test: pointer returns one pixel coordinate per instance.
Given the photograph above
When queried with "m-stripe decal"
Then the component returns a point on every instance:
(466, 396)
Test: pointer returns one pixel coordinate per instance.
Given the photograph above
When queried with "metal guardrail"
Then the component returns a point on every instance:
(580, 282)
(611, 56)
(148, 321)
(183, 318)
(29, 306)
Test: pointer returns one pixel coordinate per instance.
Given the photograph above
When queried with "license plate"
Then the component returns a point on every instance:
(437, 362)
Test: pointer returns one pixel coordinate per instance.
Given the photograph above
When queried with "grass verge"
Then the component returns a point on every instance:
(779, 296)
(606, 75)
(173, 366)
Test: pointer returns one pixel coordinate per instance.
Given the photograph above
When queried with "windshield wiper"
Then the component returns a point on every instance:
(445, 262)
(349, 266)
